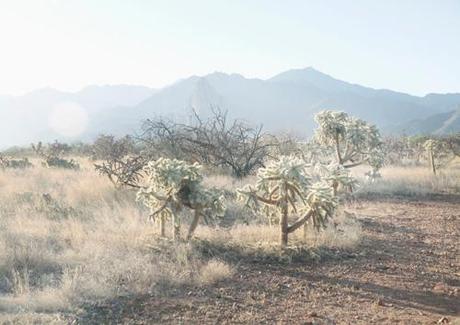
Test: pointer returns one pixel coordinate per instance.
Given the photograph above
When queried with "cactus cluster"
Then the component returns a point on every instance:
(174, 184)
(287, 188)
(335, 175)
(353, 140)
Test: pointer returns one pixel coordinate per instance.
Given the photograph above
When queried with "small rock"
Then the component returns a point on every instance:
(383, 267)
(439, 287)
(443, 320)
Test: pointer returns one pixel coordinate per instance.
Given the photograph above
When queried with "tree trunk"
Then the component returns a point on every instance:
(194, 224)
(337, 150)
(162, 226)
(432, 165)
(334, 188)
(176, 226)
(284, 232)
(284, 219)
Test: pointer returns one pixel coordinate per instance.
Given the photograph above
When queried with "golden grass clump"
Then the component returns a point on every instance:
(215, 271)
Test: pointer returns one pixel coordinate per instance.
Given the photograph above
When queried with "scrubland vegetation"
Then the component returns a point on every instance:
(151, 216)
(68, 236)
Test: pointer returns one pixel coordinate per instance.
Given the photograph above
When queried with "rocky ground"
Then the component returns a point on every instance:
(406, 270)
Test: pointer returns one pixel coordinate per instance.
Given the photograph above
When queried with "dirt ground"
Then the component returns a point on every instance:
(406, 270)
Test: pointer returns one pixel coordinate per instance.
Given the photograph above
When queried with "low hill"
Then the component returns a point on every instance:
(438, 124)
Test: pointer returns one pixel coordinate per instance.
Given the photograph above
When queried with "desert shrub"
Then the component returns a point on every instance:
(452, 143)
(174, 185)
(7, 162)
(52, 155)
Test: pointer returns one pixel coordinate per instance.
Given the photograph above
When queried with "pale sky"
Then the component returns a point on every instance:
(410, 46)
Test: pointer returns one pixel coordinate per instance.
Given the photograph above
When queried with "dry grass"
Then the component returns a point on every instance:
(414, 180)
(345, 232)
(31, 318)
(214, 271)
(68, 237)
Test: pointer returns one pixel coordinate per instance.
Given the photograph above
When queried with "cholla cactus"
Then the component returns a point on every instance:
(174, 184)
(321, 201)
(354, 141)
(314, 153)
(336, 176)
(285, 186)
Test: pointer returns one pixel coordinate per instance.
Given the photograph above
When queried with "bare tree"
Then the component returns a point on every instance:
(118, 160)
(107, 147)
(126, 171)
(215, 141)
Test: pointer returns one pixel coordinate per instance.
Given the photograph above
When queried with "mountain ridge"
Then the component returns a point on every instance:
(284, 102)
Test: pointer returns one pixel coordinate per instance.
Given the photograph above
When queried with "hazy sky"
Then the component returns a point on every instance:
(410, 46)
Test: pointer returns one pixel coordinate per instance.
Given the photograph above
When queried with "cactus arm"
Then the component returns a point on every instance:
(337, 149)
(273, 192)
(264, 200)
(164, 206)
(354, 164)
(300, 221)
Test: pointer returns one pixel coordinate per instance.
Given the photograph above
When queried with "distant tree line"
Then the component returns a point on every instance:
(238, 147)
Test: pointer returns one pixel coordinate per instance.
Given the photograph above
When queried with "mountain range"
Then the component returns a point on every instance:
(285, 102)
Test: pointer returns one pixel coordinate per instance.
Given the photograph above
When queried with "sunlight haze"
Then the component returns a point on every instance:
(409, 46)
(229, 162)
